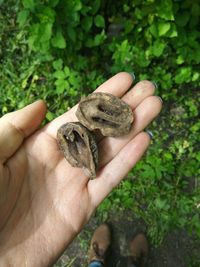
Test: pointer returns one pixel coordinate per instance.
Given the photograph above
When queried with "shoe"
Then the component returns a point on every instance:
(100, 243)
(139, 250)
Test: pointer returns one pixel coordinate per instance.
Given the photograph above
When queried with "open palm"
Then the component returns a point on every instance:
(44, 202)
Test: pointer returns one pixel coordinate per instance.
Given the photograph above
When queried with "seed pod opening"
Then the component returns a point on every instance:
(108, 113)
(79, 147)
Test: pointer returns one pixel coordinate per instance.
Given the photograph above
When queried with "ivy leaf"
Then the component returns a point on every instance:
(163, 28)
(22, 17)
(58, 40)
(99, 21)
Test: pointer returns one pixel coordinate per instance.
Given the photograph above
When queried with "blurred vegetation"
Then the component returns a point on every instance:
(58, 50)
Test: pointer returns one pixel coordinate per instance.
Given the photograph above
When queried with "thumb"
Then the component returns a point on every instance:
(16, 126)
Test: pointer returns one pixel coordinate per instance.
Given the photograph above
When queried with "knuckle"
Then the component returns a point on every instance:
(147, 85)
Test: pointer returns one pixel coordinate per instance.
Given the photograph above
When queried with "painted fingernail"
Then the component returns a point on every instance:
(132, 74)
(150, 134)
(160, 99)
(155, 84)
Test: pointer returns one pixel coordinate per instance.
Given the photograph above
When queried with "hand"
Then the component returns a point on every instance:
(44, 202)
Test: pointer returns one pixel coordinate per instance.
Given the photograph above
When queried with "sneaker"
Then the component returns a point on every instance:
(139, 250)
(100, 243)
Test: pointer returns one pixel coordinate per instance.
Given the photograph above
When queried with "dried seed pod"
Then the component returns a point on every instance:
(79, 146)
(108, 113)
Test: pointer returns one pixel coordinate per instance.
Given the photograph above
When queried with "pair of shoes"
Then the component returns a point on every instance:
(101, 241)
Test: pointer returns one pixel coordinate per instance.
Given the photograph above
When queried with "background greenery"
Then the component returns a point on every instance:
(58, 50)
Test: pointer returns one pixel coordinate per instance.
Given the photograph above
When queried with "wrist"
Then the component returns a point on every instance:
(41, 248)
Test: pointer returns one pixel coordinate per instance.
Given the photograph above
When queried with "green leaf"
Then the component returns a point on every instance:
(165, 10)
(46, 15)
(95, 6)
(87, 23)
(72, 33)
(57, 64)
(159, 203)
(184, 75)
(66, 71)
(163, 28)
(182, 19)
(180, 60)
(77, 5)
(53, 3)
(195, 76)
(99, 21)
(158, 48)
(154, 30)
(45, 31)
(172, 32)
(29, 4)
(59, 74)
(58, 40)
(99, 38)
(50, 116)
(61, 86)
(22, 17)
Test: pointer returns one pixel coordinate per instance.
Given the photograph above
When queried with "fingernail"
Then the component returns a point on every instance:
(150, 134)
(132, 74)
(160, 99)
(155, 84)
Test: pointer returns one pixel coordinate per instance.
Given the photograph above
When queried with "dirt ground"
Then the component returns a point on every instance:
(177, 250)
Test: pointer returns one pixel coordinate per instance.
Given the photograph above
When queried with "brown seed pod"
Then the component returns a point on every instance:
(108, 113)
(79, 147)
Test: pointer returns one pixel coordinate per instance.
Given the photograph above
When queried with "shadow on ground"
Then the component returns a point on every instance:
(177, 250)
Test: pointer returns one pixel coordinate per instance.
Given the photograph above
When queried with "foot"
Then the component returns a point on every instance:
(139, 250)
(100, 244)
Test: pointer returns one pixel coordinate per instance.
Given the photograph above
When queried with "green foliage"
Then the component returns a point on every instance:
(59, 50)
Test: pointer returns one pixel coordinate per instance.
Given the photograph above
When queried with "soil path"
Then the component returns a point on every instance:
(177, 250)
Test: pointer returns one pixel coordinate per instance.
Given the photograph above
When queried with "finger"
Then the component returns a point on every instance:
(143, 114)
(111, 175)
(138, 93)
(16, 126)
(117, 85)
